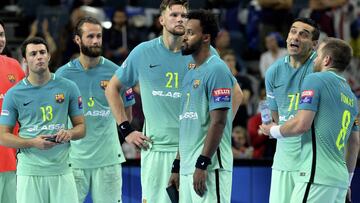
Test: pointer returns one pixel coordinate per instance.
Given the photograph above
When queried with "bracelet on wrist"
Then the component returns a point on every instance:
(275, 132)
(175, 166)
(125, 128)
(202, 162)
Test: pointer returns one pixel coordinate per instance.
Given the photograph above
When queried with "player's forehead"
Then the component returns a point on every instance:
(91, 28)
(176, 9)
(301, 26)
(35, 47)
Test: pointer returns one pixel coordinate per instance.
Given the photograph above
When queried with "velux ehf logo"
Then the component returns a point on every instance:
(222, 95)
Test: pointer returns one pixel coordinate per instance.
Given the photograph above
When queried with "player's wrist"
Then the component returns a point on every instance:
(175, 166)
(202, 162)
(125, 129)
(351, 175)
(275, 132)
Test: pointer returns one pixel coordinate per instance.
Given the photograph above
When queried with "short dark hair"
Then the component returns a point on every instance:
(339, 51)
(33, 40)
(312, 23)
(87, 19)
(208, 21)
(168, 3)
(2, 24)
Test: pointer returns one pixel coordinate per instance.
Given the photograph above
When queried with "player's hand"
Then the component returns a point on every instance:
(63, 136)
(174, 180)
(40, 142)
(138, 139)
(199, 181)
(348, 196)
(265, 129)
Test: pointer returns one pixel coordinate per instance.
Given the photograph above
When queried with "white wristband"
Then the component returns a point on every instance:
(351, 175)
(275, 132)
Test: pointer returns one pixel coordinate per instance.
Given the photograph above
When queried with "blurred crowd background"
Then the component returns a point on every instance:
(253, 35)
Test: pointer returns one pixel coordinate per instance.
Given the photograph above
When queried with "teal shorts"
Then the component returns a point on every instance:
(8, 187)
(318, 194)
(46, 189)
(282, 185)
(155, 174)
(218, 185)
(104, 183)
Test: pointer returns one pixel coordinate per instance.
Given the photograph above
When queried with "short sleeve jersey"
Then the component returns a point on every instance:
(10, 74)
(42, 110)
(283, 84)
(205, 88)
(100, 147)
(159, 72)
(329, 95)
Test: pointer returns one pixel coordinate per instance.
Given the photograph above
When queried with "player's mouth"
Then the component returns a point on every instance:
(294, 45)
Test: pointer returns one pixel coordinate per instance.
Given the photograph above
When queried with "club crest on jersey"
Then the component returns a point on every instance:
(191, 65)
(104, 84)
(196, 83)
(306, 96)
(11, 78)
(60, 97)
(80, 105)
(222, 95)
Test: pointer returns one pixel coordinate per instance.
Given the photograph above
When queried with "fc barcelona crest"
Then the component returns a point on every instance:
(11, 78)
(196, 83)
(104, 84)
(60, 98)
(191, 65)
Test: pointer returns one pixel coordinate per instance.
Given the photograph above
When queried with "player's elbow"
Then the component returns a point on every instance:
(302, 127)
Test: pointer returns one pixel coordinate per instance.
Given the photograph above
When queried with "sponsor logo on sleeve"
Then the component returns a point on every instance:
(129, 94)
(80, 105)
(222, 95)
(104, 84)
(5, 112)
(60, 97)
(306, 96)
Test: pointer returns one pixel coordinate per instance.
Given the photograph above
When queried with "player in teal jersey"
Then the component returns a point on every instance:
(158, 67)
(205, 122)
(283, 82)
(96, 159)
(42, 103)
(327, 116)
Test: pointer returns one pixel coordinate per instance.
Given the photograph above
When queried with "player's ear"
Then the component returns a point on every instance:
(161, 20)
(327, 60)
(206, 38)
(77, 39)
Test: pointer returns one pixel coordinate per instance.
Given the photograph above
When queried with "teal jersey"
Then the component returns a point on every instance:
(159, 72)
(206, 88)
(42, 110)
(283, 84)
(329, 95)
(100, 147)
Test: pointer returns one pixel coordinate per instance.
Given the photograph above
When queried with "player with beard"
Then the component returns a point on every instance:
(283, 81)
(95, 160)
(327, 121)
(158, 68)
(205, 120)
